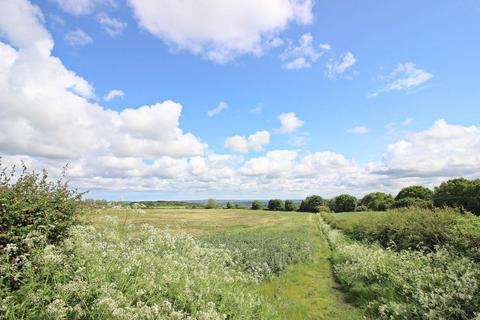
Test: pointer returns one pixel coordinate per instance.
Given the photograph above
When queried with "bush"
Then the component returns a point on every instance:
(211, 204)
(415, 192)
(125, 273)
(377, 201)
(34, 212)
(362, 209)
(459, 193)
(406, 284)
(275, 205)
(290, 205)
(256, 205)
(344, 203)
(322, 209)
(413, 202)
(311, 203)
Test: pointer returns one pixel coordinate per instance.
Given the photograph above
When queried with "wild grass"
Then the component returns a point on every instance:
(423, 229)
(407, 284)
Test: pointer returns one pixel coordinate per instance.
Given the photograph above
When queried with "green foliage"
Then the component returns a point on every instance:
(414, 229)
(406, 284)
(322, 209)
(344, 203)
(413, 202)
(256, 205)
(376, 201)
(229, 205)
(361, 208)
(34, 212)
(459, 193)
(211, 204)
(311, 204)
(275, 205)
(117, 273)
(265, 254)
(290, 205)
(415, 192)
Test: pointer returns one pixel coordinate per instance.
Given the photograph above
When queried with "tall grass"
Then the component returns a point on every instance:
(407, 284)
(116, 273)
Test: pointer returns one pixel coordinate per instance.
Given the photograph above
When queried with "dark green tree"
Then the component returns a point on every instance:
(256, 205)
(229, 205)
(416, 192)
(290, 205)
(211, 204)
(311, 204)
(275, 205)
(377, 201)
(459, 193)
(344, 203)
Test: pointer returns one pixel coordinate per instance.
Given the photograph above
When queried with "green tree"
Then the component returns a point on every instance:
(311, 203)
(377, 201)
(229, 205)
(460, 192)
(211, 204)
(417, 192)
(275, 205)
(256, 205)
(344, 203)
(290, 205)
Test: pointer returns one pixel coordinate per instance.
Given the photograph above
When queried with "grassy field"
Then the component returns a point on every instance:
(302, 291)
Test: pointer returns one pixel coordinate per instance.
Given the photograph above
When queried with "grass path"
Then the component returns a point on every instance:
(307, 290)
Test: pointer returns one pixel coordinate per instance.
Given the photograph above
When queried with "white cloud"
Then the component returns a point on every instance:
(243, 144)
(220, 30)
(405, 78)
(221, 106)
(112, 94)
(257, 109)
(407, 122)
(289, 123)
(112, 26)
(304, 54)
(81, 7)
(78, 38)
(359, 130)
(45, 109)
(337, 67)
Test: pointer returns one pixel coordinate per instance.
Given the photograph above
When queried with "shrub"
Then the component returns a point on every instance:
(415, 192)
(211, 204)
(311, 203)
(256, 205)
(362, 208)
(290, 205)
(120, 273)
(344, 203)
(322, 209)
(407, 284)
(460, 193)
(413, 202)
(275, 205)
(377, 201)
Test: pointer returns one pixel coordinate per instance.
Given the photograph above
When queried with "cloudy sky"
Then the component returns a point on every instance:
(241, 99)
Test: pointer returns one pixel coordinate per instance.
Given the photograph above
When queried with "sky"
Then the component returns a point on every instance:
(241, 99)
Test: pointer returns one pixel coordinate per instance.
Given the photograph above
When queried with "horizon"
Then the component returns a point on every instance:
(247, 100)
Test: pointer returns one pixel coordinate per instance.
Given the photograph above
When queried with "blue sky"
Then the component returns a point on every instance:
(374, 87)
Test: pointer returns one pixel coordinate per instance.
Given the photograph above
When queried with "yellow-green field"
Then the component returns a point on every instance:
(302, 291)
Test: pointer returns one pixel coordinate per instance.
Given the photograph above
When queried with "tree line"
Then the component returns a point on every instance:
(457, 193)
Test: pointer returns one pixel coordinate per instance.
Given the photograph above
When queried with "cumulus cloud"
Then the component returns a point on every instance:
(289, 123)
(112, 26)
(221, 106)
(220, 30)
(304, 54)
(112, 94)
(45, 109)
(78, 38)
(243, 144)
(336, 68)
(81, 7)
(405, 78)
(359, 130)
